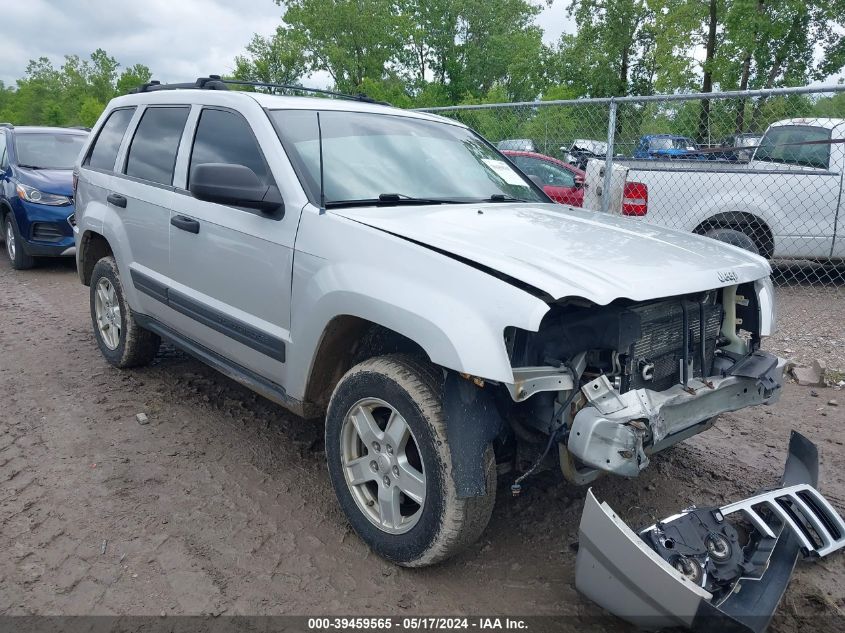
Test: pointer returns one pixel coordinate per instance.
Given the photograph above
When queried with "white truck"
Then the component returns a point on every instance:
(786, 203)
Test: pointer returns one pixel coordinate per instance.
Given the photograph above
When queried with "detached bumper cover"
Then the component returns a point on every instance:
(695, 569)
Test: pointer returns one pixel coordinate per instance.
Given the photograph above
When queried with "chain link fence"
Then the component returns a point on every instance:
(758, 169)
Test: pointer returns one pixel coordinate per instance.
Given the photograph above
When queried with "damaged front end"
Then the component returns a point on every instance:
(721, 568)
(618, 383)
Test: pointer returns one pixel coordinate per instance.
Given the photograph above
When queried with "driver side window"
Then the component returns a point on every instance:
(4, 158)
(226, 137)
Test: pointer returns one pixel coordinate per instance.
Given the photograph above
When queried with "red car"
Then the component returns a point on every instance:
(564, 183)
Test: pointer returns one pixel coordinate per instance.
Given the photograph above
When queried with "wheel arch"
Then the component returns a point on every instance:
(93, 247)
(752, 225)
(346, 341)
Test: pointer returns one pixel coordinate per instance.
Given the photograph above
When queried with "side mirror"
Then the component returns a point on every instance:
(234, 185)
(579, 182)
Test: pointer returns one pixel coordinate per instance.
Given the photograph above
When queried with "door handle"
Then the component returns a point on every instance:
(117, 200)
(186, 224)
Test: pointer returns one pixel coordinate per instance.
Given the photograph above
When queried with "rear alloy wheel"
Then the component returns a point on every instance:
(391, 465)
(14, 245)
(121, 340)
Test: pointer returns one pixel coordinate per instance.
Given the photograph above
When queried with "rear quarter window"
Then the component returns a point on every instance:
(104, 152)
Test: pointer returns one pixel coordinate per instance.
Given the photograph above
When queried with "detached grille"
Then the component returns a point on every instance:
(46, 232)
(661, 345)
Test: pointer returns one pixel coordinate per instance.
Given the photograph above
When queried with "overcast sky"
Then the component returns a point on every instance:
(179, 40)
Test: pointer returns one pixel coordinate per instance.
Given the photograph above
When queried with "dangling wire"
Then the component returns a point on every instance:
(516, 487)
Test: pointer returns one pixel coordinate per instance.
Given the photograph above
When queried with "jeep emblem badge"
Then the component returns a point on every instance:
(727, 275)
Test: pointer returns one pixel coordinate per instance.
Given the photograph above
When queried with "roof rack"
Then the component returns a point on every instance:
(216, 82)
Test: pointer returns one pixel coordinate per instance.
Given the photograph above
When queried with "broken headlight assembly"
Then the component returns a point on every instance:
(716, 568)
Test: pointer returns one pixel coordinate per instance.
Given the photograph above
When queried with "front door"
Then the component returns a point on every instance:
(231, 266)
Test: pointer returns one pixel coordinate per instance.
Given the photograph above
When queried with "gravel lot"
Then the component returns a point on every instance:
(222, 504)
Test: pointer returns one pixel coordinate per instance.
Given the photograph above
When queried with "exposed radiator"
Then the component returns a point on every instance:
(659, 350)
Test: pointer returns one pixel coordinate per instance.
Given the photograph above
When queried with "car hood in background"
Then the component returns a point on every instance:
(58, 181)
(567, 252)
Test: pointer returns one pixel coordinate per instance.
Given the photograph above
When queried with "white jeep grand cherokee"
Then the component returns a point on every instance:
(393, 272)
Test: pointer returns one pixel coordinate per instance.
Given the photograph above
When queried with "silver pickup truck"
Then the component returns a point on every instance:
(786, 203)
(393, 273)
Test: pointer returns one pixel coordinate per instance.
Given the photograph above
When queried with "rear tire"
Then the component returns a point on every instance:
(121, 340)
(734, 238)
(396, 390)
(14, 244)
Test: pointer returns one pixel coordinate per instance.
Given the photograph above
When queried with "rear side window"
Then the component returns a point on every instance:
(225, 137)
(104, 152)
(803, 145)
(152, 155)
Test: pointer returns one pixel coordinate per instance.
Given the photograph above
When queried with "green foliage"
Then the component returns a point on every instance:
(74, 94)
(278, 59)
(418, 52)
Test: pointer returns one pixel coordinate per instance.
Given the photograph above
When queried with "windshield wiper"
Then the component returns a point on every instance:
(25, 166)
(389, 200)
(501, 197)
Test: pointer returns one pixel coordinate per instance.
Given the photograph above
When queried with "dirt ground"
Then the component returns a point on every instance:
(222, 503)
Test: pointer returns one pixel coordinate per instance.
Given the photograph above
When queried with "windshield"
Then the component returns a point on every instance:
(789, 144)
(390, 159)
(48, 150)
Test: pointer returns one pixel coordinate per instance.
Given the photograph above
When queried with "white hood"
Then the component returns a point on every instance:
(567, 252)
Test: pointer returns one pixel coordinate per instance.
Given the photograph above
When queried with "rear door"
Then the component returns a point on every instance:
(143, 195)
(231, 266)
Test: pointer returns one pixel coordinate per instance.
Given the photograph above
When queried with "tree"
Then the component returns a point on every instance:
(133, 77)
(350, 39)
(90, 111)
(280, 59)
(73, 94)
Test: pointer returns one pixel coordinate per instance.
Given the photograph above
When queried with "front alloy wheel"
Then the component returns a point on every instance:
(10, 240)
(14, 244)
(382, 465)
(390, 463)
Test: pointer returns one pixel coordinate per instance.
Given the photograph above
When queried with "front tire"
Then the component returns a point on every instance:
(391, 466)
(121, 340)
(14, 245)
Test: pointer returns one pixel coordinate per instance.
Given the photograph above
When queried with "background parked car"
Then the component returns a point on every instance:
(517, 144)
(36, 191)
(785, 203)
(733, 145)
(582, 150)
(562, 182)
(667, 146)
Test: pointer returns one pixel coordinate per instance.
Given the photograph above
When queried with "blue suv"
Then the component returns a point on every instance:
(36, 191)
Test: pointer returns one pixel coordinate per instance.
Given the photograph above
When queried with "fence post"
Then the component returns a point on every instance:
(608, 160)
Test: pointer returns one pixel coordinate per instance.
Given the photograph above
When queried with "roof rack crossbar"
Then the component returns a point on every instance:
(216, 82)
